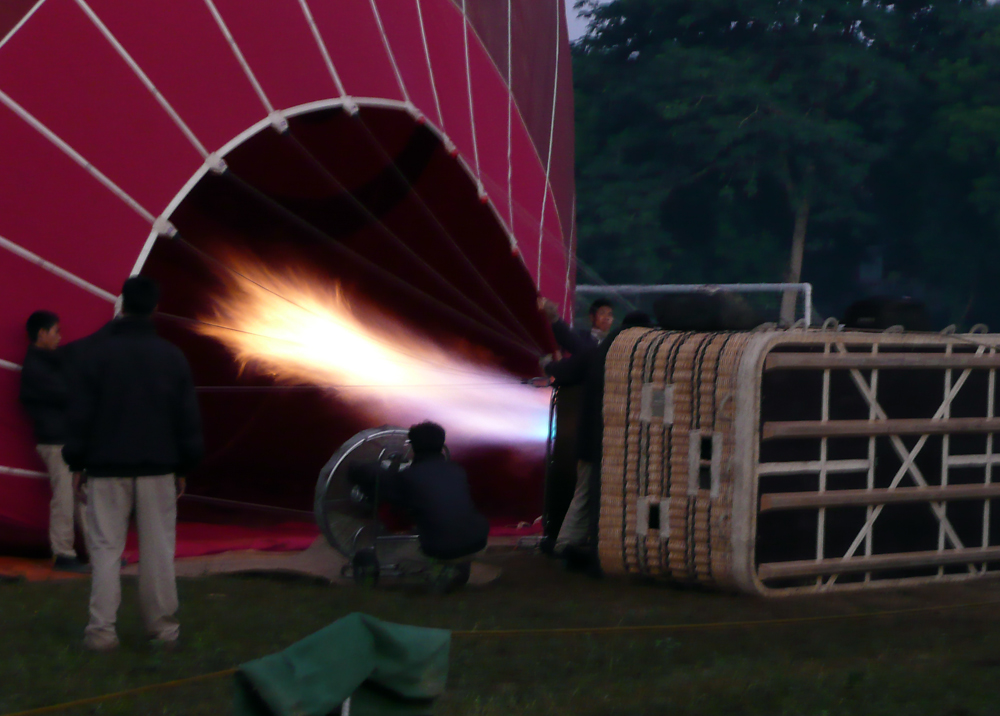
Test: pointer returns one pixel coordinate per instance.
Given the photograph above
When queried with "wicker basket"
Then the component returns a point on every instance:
(785, 461)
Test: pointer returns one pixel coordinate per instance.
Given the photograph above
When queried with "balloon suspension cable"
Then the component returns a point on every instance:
(307, 226)
(253, 506)
(319, 387)
(591, 272)
(384, 228)
(430, 214)
(188, 319)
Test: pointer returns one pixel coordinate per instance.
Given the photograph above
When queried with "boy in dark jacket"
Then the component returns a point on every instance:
(435, 493)
(45, 396)
(133, 428)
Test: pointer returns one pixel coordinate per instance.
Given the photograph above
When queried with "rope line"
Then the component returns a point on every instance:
(544, 631)
(628, 427)
(622, 629)
(430, 214)
(121, 694)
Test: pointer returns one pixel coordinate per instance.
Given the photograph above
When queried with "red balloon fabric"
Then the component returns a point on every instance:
(417, 152)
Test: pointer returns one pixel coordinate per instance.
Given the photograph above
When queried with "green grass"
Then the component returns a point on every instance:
(939, 663)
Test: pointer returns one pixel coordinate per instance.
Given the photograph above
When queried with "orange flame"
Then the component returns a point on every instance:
(300, 329)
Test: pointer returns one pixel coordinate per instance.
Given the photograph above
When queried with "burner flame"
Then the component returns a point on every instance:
(301, 330)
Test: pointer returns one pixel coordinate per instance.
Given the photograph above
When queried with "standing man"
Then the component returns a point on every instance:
(45, 396)
(577, 540)
(602, 317)
(580, 344)
(133, 432)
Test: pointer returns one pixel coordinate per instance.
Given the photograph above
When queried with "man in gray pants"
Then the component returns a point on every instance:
(45, 396)
(133, 432)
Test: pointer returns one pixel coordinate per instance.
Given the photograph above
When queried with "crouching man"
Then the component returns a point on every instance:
(435, 493)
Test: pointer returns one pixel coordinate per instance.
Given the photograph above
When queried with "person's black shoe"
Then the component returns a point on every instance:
(446, 578)
(70, 564)
(366, 568)
(577, 559)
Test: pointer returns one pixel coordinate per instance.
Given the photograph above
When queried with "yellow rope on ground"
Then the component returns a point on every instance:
(558, 631)
(549, 631)
(120, 694)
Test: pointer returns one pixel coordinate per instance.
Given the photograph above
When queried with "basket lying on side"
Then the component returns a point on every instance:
(787, 461)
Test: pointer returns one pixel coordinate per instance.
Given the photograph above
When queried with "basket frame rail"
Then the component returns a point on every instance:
(750, 431)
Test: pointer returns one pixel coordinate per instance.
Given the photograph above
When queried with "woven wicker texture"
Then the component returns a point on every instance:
(674, 446)
(647, 474)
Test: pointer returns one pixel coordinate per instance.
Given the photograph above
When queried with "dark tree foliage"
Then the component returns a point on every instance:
(713, 134)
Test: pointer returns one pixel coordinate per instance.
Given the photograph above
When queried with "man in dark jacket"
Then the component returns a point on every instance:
(579, 344)
(577, 536)
(133, 426)
(45, 396)
(435, 493)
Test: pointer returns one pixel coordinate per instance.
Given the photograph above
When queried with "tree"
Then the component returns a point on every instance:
(716, 134)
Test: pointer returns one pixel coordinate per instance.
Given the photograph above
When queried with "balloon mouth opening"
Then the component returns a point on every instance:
(372, 210)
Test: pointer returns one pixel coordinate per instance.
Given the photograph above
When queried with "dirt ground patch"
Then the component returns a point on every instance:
(940, 662)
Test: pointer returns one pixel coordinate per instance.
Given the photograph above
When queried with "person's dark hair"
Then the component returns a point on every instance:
(140, 294)
(637, 319)
(598, 304)
(426, 438)
(40, 321)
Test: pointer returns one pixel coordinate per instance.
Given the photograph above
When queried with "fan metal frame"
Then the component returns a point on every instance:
(357, 526)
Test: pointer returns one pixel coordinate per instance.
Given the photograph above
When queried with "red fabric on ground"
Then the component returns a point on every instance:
(522, 529)
(195, 539)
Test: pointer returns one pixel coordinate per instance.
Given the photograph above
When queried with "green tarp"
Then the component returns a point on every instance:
(384, 668)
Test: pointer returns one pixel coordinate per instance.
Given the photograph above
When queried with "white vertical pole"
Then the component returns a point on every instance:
(945, 444)
(990, 409)
(824, 417)
(870, 486)
(808, 301)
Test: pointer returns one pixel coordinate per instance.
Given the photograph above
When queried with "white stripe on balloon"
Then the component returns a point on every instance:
(430, 69)
(472, 111)
(552, 131)
(96, 173)
(392, 57)
(322, 47)
(239, 56)
(18, 472)
(144, 78)
(72, 278)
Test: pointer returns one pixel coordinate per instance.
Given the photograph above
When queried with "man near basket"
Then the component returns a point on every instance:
(577, 539)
